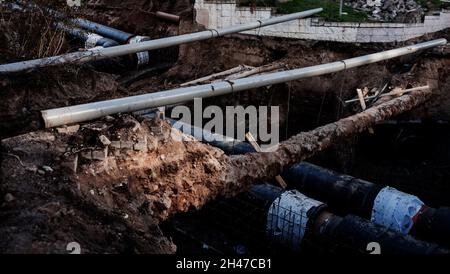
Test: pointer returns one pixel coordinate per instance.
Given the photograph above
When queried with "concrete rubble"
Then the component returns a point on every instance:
(405, 11)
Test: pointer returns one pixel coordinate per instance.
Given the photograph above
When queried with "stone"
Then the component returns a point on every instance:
(109, 118)
(115, 144)
(40, 171)
(47, 169)
(141, 145)
(32, 168)
(165, 202)
(86, 154)
(68, 129)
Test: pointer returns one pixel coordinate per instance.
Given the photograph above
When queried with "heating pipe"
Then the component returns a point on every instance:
(98, 54)
(97, 32)
(384, 206)
(90, 39)
(292, 216)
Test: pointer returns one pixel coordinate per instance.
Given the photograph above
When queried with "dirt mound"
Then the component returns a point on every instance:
(105, 185)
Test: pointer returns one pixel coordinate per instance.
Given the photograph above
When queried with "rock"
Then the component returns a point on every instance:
(68, 129)
(97, 154)
(165, 202)
(9, 197)
(40, 171)
(70, 163)
(126, 145)
(104, 140)
(153, 188)
(115, 144)
(100, 154)
(32, 168)
(109, 118)
(47, 169)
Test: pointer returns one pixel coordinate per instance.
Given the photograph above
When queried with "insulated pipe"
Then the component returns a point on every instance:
(118, 35)
(91, 40)
(386, 206)
(227, 144)
(90, 111)
(123, 37)
(293, 217)
(83, 57)
(100, 29)
(97, 32)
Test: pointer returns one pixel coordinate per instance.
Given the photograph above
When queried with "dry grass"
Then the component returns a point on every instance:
(29, 35)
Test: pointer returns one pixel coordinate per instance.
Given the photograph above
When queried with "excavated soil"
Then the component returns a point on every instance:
(106, 185)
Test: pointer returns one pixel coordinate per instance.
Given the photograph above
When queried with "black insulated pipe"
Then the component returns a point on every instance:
(346, 194)
(90, 40)
(118, 35)
(354, 232)
(292, 217)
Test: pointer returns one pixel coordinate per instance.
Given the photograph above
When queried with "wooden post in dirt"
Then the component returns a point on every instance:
(255, 145)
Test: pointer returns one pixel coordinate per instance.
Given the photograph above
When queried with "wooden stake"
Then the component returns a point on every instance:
(255, 145)
(363, 106)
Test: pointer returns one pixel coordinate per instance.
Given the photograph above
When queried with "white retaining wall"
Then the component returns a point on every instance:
(222, 13)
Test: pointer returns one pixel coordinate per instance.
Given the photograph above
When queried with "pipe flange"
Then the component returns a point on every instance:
(395, 210)
(288, 216)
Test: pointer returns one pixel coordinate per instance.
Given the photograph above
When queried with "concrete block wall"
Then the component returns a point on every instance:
(223, 13)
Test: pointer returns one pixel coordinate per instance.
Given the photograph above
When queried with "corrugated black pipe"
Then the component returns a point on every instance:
(347, 233)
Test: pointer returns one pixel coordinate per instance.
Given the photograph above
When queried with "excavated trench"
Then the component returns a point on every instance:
(121, 183)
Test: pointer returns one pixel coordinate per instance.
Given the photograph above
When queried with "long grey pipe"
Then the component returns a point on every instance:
(90, 111)
(97, 54)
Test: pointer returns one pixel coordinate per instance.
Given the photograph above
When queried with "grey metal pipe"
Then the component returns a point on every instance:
(90, 39)
(97, 54)
(90, 111)
(118, 35)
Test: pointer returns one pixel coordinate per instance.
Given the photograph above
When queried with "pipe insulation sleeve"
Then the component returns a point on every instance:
(92, 40)
(288, 216)
(396, 210)
(143, 56)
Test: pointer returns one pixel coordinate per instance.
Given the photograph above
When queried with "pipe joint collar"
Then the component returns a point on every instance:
(395, 210)
(143, 56)
(288, 216)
